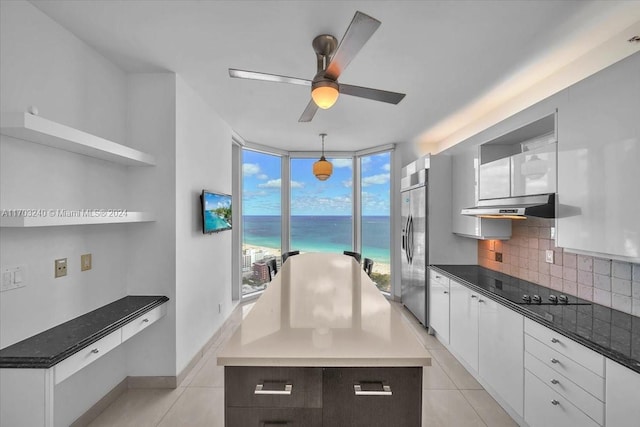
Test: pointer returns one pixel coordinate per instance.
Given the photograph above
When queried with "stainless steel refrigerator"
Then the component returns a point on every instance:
(414, 245)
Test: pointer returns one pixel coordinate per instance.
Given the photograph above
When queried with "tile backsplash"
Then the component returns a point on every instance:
(614, 284)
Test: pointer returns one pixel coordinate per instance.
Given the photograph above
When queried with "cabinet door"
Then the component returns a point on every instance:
(598, 158)
(545, 408)
(463, 326)
(495, 179)
(501, 350)
(534, 172)
(439, 304)
(622, 385)
(371, 405)
(465, 195)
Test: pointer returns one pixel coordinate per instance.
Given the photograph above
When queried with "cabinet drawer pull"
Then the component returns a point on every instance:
(274, 423)
(555, 402)
(474, 296)
(555, 381)
(260, 390)
(95, 351)
(438, 277)
(445, 292)
(555, 340)
(145, 320)
(480, 300)
(386, 391)
(554, 360)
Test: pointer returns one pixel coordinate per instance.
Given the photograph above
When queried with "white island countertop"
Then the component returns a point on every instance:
(323, 310)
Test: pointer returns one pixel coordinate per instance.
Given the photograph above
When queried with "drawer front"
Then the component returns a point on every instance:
(588, 404)
(565, 366)
(273, 387)
(577, 352)
(540, 410)
(273, 417)
(356, 397)
(140, 323)
(438, 278)
(73, 364)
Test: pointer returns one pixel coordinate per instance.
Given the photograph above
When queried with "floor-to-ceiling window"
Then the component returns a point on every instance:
(321, 211)
(261, 217)
(375, 195)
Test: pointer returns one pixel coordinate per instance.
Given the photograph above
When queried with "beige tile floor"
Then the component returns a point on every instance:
(451, 396)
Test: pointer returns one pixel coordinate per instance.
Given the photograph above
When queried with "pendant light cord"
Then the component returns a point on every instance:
(322, 135)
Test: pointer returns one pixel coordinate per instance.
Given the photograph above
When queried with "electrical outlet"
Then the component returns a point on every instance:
(85, 262)
(60, 267)
(548, 256)
(498, 256)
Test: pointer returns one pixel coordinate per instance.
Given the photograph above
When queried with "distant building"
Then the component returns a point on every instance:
(249, 256)
(261, 271)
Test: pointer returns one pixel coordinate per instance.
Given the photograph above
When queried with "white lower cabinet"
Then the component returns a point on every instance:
(439, 304)
(463, 323)
(623, 403)
(500, 351)
(544, 407)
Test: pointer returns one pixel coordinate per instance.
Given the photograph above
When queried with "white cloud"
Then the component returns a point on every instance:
(277, 183)
(347, 184)
(272, 183)
(262, 176)
(386, 167)
(381, 178)
(249, 169)
(342, 163)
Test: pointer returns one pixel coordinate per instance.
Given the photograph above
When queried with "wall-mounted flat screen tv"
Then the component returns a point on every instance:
(216, 212)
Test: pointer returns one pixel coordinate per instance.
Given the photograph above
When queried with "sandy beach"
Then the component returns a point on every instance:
(378, 267)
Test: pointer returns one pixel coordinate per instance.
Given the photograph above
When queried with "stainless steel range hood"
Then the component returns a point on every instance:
(542, 205)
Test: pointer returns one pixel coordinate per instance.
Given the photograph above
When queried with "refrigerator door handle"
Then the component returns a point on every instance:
(410, 240)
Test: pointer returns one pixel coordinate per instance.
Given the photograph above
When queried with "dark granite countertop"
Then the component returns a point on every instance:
(50, 347)
(609, 332)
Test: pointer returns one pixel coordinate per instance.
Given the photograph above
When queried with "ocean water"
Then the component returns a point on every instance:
(213, 222)
(321, 234)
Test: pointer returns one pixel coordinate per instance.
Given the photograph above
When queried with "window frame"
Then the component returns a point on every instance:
(285, 205)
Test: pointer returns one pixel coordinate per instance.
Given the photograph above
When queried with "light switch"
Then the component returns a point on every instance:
(13, 277)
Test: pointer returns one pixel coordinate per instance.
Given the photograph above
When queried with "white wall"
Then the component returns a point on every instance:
(44, 65)
(151, 247)
(203, 262)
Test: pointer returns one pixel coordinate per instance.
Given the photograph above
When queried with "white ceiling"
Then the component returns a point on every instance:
(443, 54)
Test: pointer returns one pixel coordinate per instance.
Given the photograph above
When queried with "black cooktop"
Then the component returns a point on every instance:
(511, 288)
(609, 332)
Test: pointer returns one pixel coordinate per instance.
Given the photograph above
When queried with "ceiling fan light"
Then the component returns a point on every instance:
(325, 94)
(322, 169)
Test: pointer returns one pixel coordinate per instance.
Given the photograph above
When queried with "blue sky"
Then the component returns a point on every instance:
(309, 196)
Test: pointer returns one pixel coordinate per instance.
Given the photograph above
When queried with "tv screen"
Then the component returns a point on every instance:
(216, 212)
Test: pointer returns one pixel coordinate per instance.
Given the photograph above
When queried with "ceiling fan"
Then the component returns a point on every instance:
(332, 59)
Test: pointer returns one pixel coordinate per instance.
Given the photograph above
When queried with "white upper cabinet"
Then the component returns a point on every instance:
(599, 163)
(534, 172)
(465, 195)
(521, 162)
(495, 179)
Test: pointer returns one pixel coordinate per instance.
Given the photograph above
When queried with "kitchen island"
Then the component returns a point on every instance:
(323, 346)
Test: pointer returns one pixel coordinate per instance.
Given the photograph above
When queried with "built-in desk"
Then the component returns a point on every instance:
(30, 369)
(323, 346)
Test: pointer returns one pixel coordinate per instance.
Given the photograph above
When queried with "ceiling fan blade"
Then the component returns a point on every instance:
(254, 75)
(360, 30)
(309, 112)
(374, 94)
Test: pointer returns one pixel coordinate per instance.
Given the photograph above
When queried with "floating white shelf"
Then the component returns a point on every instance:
(72, 218)
(42, 131)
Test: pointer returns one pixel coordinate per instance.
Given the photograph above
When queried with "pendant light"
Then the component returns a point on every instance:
(322, 169)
